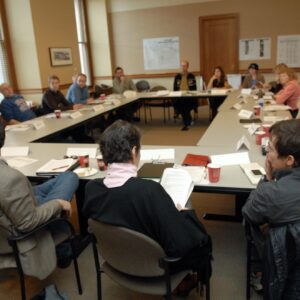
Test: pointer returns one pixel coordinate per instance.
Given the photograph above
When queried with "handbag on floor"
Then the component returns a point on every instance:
(50, 293)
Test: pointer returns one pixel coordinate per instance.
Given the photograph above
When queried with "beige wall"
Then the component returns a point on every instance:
(258, 18)
(55, 26)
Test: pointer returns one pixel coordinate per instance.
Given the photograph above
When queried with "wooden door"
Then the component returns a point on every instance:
(219, 44)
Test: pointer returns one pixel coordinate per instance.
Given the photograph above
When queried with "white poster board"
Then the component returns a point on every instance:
(288, 50)
(254, 49)
(161, 53)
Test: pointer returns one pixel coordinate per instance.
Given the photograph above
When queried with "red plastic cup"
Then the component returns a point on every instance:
(102, 97)
(257, 109)
(101, 165)
(84, 161)
(214, 172)
(57, 113)
(258, 136)
(266, 128)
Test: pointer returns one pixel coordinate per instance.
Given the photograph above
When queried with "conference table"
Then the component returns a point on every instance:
(220, 138)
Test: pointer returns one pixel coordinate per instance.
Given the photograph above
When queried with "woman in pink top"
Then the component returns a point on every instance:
(290, 94)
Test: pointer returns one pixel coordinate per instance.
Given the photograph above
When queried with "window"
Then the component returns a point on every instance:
(83, 40)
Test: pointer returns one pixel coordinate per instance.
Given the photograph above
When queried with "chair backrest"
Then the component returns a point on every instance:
(128, 251)
(158, 88)
(142, 86)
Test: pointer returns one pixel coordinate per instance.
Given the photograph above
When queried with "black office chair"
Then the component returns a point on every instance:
(164, 103)
(135, 261)
(12, 247)
(142, 86)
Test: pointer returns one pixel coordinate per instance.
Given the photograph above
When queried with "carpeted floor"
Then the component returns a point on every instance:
(228, 281)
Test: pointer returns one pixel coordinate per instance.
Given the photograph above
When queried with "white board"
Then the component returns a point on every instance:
(161, 53)
(288, 50)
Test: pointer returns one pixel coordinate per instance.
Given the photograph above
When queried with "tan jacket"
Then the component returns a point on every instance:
(19, 213)
(247, 83)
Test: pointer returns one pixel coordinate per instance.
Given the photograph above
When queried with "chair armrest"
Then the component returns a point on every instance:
(14, 238)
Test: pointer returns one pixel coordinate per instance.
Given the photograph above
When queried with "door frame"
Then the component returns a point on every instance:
(201, 37)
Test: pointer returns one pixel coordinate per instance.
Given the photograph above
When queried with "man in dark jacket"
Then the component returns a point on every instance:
(276, 200)
(185, 81)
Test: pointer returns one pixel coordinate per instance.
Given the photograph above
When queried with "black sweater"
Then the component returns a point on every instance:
(55, 100)
(144, 206)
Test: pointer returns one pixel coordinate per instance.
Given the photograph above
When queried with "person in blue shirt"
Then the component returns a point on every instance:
(78, 92)
(14, 108)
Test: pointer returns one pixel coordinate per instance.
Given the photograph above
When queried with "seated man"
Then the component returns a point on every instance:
(23, 207)
(53, 99)
(277, 197)
(185, 81)
(14, 108)
(78, 92)
(121, 84)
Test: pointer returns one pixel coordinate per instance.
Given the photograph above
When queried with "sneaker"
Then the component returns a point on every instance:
(255, 282)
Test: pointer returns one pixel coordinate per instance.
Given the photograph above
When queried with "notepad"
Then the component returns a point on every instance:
(20, 162)
(253, 171)
(178, 184)
(14, 151)
(231, 159)
(157, 154)
(57, 166)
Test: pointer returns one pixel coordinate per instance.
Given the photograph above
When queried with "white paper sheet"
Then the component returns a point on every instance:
(230, 159)
(176, 94)
(20, 162)
(248, 168)
(253, 49)
(91, 152)
(234, 80)
(276, 107)
(288, 50)
(18, 127)
(157, 154)
(197, 173)
(14, 151)
(243, 143)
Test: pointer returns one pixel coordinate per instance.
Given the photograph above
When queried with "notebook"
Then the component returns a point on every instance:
(195, 160)
(150, 170)
(57, 166)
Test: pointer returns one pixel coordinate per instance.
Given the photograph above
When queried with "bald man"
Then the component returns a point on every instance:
(14, 108)
(185, 81)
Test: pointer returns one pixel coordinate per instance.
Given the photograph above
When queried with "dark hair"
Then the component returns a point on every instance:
(53, 77)
(253, 66)
(117, 142)
(2, 135)
(81, 74)
(287, 139)
(118, 69)
(223, 76)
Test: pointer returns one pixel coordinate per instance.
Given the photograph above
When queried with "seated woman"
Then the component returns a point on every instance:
(254, 79)
(218, 80)
(275, 86)
(122, 199)
(290, 94)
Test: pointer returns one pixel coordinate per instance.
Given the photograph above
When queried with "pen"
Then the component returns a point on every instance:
(60, 168)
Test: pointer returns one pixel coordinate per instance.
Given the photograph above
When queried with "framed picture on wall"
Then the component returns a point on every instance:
(61, 56)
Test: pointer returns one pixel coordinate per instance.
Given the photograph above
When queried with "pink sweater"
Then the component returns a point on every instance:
(289, 95)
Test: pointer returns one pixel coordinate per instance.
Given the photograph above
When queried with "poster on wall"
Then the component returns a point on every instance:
(288, 50)
(255, 49)
(161, 53)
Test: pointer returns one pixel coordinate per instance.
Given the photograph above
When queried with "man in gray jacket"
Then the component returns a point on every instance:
(23, 208)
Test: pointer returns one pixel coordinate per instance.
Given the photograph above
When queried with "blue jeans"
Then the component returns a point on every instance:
(61, 187)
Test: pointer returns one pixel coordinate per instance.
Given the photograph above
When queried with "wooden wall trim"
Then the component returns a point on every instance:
(11, 68)
(40, 90)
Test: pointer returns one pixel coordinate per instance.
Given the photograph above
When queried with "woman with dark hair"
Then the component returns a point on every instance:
(123, 199)
(218, 80)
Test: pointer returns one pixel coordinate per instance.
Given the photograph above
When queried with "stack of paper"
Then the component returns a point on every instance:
(230, 159)
(178, 184)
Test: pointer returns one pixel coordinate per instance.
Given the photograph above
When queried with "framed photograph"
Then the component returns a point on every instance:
(61, 56)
